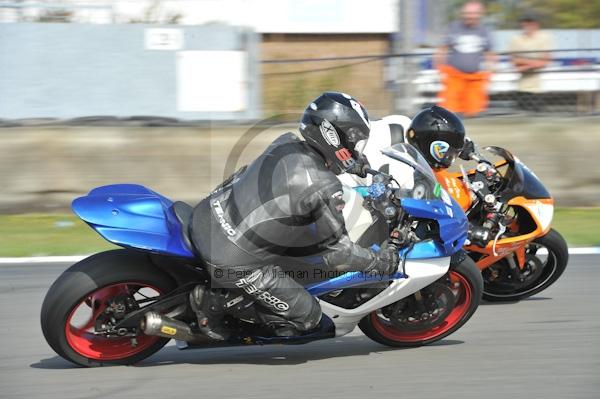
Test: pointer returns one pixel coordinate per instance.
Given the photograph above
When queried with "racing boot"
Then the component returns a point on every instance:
(208, 307)
(281, 304)
(290, 333)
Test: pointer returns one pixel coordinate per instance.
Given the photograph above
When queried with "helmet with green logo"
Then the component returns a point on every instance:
(438, 134)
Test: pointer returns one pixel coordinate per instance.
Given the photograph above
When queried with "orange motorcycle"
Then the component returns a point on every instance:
(510, 212)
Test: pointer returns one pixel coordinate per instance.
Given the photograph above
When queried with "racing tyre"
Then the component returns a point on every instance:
(546, 259)
(430, 314)
(83, 302)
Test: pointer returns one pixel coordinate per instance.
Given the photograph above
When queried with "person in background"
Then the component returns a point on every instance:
(529, 63)
(464, 62)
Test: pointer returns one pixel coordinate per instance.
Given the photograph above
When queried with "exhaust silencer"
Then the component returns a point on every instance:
(155, 324)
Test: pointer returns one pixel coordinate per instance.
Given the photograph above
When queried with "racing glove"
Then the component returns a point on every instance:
(346, 256)
(468, 150)
(359, 167)
(386, 261)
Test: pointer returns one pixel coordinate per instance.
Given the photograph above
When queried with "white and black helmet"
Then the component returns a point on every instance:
(337, 126)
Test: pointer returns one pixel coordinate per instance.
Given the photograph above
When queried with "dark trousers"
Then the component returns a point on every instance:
(249, 288)
(264, 294)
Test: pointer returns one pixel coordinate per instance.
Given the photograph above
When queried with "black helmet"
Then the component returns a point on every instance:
(438, 134)
(333, 124)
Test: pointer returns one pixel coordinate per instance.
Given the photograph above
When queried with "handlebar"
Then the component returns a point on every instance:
(374, 172)
(475, 157)
(469, 153)
(371, 171)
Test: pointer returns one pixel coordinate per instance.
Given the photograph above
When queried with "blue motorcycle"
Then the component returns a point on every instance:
(121, 306)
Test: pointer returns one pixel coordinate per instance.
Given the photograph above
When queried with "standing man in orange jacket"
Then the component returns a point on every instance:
(464, 62)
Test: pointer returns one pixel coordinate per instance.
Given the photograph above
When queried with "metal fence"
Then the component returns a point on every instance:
(75, 70)
(568, 85)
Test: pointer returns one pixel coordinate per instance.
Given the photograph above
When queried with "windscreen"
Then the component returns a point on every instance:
(424, 186)
(520, 180)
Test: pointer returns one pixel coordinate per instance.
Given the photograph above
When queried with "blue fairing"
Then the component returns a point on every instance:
(421, 250)
(451, 219)
(133, 216)
(424, 250)
(348, 280)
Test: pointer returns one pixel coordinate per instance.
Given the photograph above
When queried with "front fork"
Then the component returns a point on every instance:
(456, 259)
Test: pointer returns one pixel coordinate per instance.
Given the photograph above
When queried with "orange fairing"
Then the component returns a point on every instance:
(454, 186)
(540, 210)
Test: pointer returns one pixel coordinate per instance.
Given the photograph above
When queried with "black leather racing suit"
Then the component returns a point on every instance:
(285, 203)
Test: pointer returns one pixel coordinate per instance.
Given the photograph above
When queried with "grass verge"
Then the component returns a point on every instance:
(579, 226)
(48, 234)
(62, 234)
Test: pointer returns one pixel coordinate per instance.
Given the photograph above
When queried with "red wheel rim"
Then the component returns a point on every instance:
(85, 343)
(462, 289)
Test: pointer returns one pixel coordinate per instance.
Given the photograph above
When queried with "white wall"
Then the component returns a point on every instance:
(267, 16)
(271, 16)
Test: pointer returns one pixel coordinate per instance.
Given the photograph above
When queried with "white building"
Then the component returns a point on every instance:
(268, 16)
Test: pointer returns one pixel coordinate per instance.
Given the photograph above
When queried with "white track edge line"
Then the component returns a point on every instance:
(43, 259)
(77, 258)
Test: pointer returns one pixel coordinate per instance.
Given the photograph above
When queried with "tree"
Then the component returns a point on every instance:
(555, 14)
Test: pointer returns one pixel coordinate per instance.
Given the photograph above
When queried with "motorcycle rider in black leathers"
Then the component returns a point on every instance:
(286, 204)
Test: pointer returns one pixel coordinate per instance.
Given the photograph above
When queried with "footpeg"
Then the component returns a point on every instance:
(197, 302)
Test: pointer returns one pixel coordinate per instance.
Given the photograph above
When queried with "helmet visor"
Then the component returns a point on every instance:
(450, 156)
(360, 146)
(443, 153)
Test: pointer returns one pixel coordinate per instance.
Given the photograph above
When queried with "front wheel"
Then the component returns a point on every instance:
(430, 314)
(91, 296)
(546, 259)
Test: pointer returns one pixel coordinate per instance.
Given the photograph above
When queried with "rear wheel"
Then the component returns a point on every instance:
(83, 305)
(430, 314)
(546, 259)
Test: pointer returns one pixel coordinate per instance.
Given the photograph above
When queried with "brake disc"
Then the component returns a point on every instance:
(504, 279)
(424, 310)
(532, 271)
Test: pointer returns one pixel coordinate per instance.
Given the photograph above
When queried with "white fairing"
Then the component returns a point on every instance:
(421, 272)
(542, 212)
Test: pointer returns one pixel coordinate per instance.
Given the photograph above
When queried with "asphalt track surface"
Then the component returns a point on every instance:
(545, 347)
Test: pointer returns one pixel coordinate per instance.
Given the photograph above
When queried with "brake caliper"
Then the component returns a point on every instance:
(116, 309)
